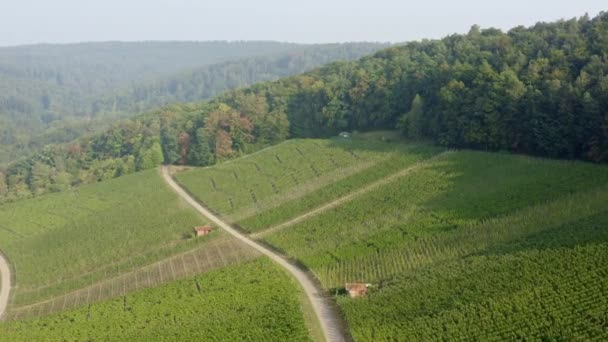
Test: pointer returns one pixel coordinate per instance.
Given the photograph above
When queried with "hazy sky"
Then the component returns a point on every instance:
(60, 21)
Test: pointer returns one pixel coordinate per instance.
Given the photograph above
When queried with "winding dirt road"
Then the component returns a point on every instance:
(328, 318)
(5, 289)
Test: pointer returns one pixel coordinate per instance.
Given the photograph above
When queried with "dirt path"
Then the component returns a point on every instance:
(339, 201)
(328, 318)
(5, 289)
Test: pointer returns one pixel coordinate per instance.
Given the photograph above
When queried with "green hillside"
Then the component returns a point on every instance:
(462, 181)
(56, 93)
(254, 301)
(262, 189)
(433, 232)
(540, 91)
(87, 238)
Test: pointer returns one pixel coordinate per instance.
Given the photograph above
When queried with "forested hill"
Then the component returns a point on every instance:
(115, 63)
(54, 93)
(205, 82)
(541, 90)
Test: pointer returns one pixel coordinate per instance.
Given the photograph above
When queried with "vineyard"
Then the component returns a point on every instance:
(458, 209)
(66, 241)
(445, 198)
(548, 286)
(265, 188)
(426, 227)
(214, 254)
(253, 301)
(457, 245)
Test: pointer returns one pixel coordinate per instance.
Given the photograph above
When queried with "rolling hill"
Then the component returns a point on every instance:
(56, 93)
(445, 238)
(107, 239)
(483, 217)
(538, 91)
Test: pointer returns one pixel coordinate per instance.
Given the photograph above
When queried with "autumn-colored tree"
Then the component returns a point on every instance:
(229, 129)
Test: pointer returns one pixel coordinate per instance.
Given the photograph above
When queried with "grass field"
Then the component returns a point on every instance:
(427, 238)
(254, 301)
(67, 241)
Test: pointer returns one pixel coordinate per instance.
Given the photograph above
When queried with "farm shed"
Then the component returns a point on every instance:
(357, 289)
(202, 230)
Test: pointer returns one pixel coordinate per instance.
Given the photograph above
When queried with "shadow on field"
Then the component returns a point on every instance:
(470, 186)
(588, 230)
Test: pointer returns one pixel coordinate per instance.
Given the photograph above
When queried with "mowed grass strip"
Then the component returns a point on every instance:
(66, 241)
(253, 301)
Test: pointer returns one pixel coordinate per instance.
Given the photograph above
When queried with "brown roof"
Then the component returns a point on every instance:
(203, 229)
(356, 286)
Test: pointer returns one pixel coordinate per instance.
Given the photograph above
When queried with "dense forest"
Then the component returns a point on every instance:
(209, 81)
(55, 93)
(541, 90)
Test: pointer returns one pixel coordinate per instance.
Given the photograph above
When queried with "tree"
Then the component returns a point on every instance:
(230, 130)
(150, 158)
(184, 143)
(411, 122)
(200, 153)
(61, 181)
(40, 178)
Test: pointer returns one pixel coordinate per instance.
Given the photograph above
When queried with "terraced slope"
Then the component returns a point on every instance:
(253, 301)
(427, 238)
(325, 317)
(272, 186)
(67, 242)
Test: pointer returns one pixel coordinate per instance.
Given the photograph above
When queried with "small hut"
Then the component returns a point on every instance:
(202, 230)
(357, 289)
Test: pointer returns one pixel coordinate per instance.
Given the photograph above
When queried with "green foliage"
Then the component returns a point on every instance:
(150, 158)
(254, 301)
(271, 185)
(200, 154)
(444, 194)
(65, 241)
(464, 237)
(411, 122)
(548, 286)
(56, 93)
(540, 90)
